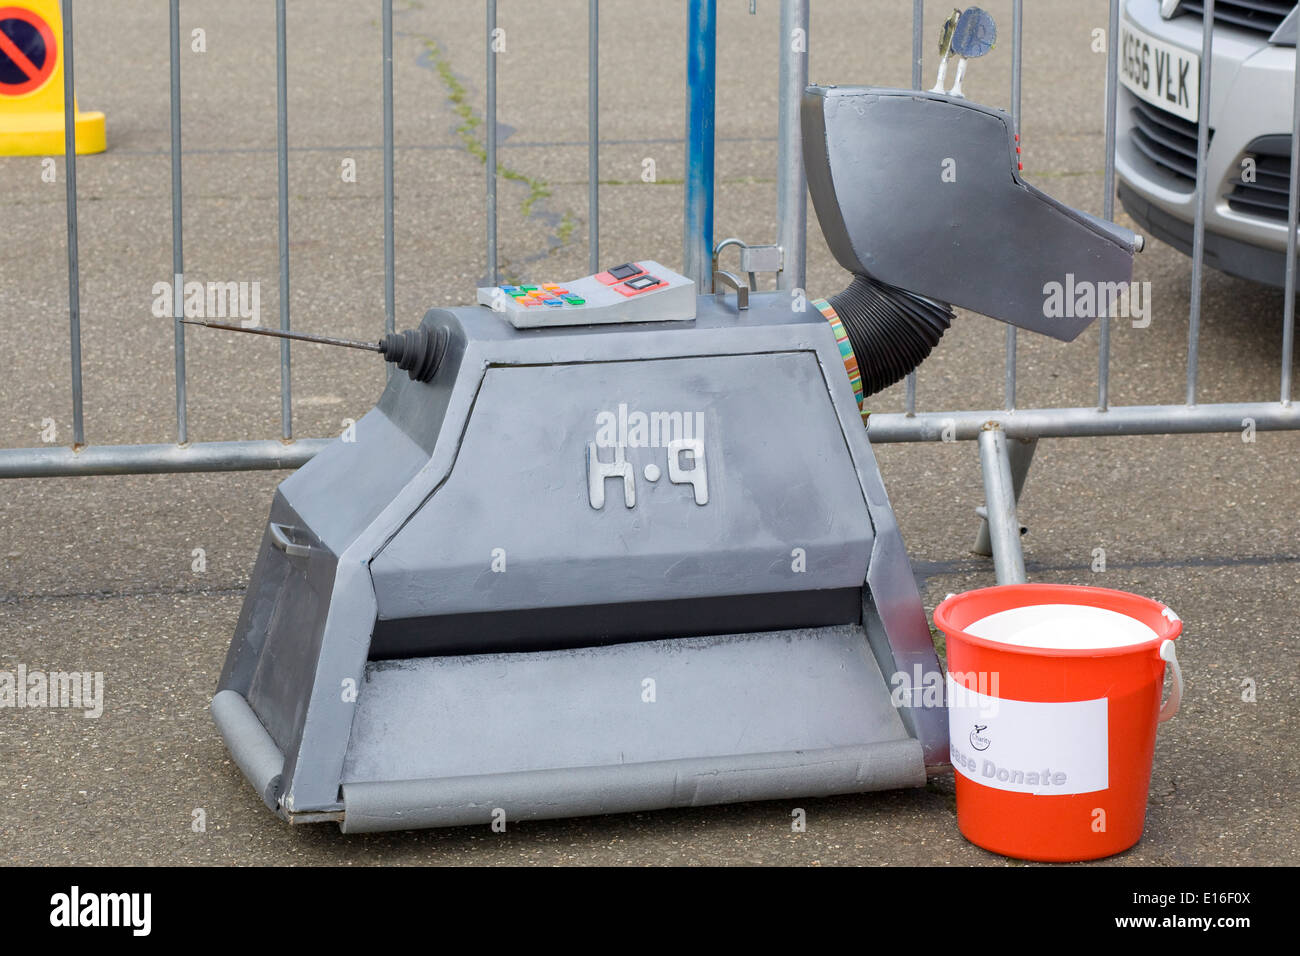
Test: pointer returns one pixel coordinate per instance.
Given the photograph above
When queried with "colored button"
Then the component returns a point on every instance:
(640, 284)
(549, 286)
(575, 301)
(553, 303)
(529, 288)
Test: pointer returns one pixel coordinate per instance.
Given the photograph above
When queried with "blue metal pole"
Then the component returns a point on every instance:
(701, 83)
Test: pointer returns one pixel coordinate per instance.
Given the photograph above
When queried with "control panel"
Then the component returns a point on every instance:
(632, 292)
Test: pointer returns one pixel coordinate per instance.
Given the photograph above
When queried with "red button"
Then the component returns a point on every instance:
(608, 279)
(623, 289)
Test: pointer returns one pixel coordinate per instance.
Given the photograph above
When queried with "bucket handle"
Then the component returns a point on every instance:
(1169, 656)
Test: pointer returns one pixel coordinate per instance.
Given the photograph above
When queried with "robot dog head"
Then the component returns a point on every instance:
(921, 191)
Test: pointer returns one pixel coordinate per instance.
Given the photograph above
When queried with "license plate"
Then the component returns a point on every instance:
(1160, 73)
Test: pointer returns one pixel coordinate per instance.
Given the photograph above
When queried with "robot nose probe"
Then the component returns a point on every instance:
(418, 352)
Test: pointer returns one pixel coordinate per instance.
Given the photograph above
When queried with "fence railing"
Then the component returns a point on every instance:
(1006, 437)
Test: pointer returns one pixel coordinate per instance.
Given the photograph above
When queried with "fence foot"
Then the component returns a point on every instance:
(1020, 451)
(1000, 500)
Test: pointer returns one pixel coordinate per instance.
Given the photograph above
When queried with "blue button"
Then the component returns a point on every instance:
(553, 303)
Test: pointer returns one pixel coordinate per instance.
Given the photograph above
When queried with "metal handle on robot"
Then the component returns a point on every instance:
(728, 279)
(753, 259)
(282, 540)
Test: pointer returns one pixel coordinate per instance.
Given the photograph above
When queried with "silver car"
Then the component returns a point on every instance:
(1249, 162)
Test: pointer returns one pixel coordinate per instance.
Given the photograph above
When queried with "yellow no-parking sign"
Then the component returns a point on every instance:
(31, 84)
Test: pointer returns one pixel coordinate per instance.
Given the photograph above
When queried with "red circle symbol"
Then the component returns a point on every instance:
(28, 51)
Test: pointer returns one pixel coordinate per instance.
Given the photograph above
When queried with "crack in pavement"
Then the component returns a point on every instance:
(561, 225)
(159, 591)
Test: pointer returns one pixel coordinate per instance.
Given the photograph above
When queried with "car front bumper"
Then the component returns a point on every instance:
(1251, 89)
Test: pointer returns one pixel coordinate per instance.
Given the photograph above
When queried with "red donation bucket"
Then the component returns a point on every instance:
(1053, 700)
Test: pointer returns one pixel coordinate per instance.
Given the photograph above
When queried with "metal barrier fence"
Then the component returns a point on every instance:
(1006, 437)
(82, 459)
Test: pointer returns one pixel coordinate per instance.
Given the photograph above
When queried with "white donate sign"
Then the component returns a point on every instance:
(1029, 747)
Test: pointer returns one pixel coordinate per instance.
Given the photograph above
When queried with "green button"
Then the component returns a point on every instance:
(529, 288)
(574, 300)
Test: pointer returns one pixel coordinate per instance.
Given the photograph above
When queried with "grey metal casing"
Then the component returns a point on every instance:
(878, 158)
(392, 542)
